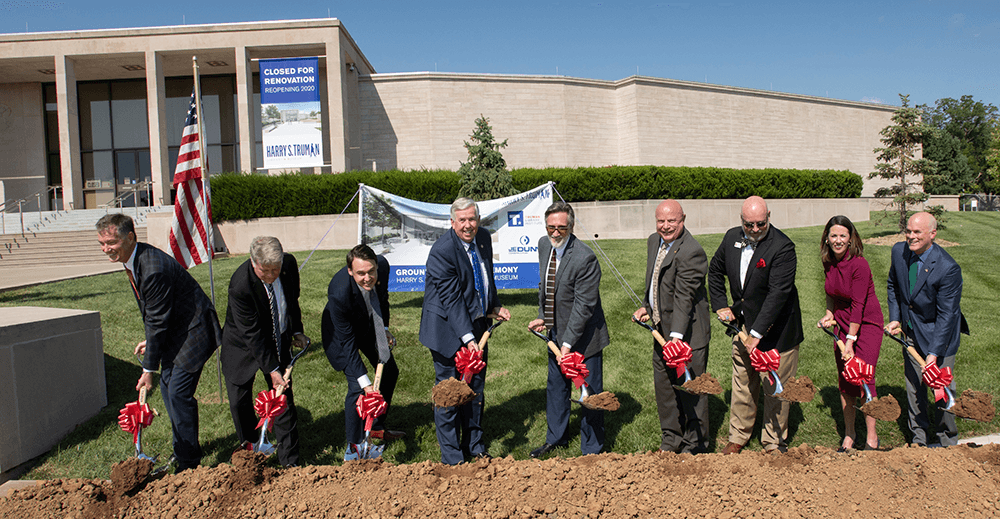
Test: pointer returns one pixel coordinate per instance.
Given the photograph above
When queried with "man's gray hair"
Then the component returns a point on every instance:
(266, 250)
(462, 204)
(562, 207)
(121, 222)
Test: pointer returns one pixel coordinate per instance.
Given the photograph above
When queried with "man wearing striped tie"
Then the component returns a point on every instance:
(356, 322)
(569, 309)
(460, 300)
(263, 318)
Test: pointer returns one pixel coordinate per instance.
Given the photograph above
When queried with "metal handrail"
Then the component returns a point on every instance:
(20, 202)
(133, 191)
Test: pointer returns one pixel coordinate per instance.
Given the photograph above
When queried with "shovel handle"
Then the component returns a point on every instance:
(916, 356)
(739, 333)
(656, 334)
(552, 346)
(378, 376)
(142, 400)
(489, 331)
(840, 344)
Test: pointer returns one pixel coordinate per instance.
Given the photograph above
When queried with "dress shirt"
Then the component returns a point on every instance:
(560, 250)
(486, 283)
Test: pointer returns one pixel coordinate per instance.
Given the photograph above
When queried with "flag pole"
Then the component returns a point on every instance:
(204, 200)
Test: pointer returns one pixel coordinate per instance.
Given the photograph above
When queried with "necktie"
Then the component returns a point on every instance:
(380, 338)
(477, 274)
(131, 280)
(550, 293)
(654, 297)
(275, 318)
(914, 268)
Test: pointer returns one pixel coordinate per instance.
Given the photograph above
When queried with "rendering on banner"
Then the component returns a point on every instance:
(290, 113)
(403, 231)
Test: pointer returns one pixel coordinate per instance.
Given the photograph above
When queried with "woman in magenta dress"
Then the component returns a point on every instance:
(851, 302)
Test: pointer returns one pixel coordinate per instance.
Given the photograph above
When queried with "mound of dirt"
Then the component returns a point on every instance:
(605, 401)
(703, 384)
(885, 408)
(799, 389)
(974, 405)
(962, 481)
(451, 392)
(127, 476)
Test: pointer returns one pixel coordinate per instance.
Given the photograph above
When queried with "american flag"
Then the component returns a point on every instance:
(188, 235)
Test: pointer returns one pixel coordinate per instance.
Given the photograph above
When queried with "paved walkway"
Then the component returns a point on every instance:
(25, 277)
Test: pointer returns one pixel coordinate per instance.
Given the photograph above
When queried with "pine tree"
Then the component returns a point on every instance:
(485, 175)
(897, 162)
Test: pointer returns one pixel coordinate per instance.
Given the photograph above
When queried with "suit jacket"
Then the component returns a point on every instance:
(579, 316)
(768, 301)
(182, 328)
(934, 308)
(683, 300)
(248, 337)
(450, 301)
(346, 322)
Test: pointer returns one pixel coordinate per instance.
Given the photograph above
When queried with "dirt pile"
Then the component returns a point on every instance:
(884, 408)
(799, 389)
(451, 392)
(974, 405)
(703, 384)
(604, 401)
(804, 482)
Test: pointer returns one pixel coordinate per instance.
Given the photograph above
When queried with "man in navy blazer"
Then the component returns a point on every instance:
(575, 320)
(181, 327)
(760, 263)
(252, 342)
(927, 309)
(458, 303)
(349, 331)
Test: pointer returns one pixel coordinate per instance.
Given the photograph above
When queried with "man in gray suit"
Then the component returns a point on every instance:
(569, 307)
(675, 298)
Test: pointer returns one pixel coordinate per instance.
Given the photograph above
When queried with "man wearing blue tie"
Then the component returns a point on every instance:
(924, 300)
(459, 297)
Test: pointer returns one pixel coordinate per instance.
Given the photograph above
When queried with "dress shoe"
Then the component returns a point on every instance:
(732, 448)
(543, 450)
(483, 456)
(387, 435)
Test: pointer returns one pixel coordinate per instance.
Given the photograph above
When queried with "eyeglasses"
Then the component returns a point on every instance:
(560, 228)
(751, 225)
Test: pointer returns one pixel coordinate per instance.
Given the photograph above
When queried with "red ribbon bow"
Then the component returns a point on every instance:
(573, 368)
(765, 361)
(269, 407)
(469, 362)
(370, 406)
(937, 379)
(133, 417)
(761, 263)
(858, 372)
(677, 355)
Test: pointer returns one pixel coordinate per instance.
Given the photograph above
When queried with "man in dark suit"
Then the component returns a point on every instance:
(925, 294)
(182, 329)
(675, 283)
(356, 320)
(569, 307)
(264, 288)
(459, 296)
(760, 263)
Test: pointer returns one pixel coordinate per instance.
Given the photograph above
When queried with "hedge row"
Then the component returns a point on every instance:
(244, 197)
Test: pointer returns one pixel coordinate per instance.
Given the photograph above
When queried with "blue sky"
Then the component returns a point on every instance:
(859, 51)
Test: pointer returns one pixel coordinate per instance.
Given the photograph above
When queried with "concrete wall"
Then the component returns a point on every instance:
(51, 378)
(22, 142)
(419, 120)
(629, 219)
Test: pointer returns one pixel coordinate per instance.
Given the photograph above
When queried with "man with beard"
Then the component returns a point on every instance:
(569, 307)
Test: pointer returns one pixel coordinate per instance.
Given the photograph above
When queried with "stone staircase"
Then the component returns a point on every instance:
(60, 237)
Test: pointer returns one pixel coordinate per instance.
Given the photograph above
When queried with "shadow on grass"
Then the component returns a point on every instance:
(22, 297)
(720, 406)
(831, 400)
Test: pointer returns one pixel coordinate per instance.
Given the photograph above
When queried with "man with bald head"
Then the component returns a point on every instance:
(759, 262)
(925, 293)
(675, 299)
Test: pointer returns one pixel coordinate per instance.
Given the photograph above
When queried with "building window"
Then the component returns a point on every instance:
(218, 102)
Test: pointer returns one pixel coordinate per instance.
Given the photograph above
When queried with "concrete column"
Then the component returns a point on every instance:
(67, 107)
(245, 107)
(156, 105)
(335, 69)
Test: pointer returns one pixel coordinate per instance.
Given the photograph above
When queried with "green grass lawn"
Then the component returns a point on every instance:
(515, 397)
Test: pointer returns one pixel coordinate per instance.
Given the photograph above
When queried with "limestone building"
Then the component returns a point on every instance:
(94, 111)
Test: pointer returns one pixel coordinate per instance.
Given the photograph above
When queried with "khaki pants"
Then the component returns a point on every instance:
(746, 387)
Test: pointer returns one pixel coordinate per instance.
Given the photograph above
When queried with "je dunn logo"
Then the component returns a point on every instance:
(525, 240)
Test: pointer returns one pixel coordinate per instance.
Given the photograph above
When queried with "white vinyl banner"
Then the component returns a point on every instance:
(403, 231)
(290, 113)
